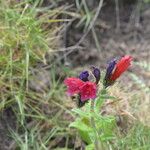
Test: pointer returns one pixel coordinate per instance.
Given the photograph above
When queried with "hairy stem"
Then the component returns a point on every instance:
(94, 126)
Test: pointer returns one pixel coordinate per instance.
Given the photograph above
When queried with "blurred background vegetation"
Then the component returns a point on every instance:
(44, 41)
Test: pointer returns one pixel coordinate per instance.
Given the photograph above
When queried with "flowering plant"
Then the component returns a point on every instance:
(93, 127)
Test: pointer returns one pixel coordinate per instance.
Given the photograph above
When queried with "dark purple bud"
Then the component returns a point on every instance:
(84, 76)
(109, 70)
(97, 74)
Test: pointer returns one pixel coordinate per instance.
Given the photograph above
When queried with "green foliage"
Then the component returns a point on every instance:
(89, 147)
(137, 138)
(27, 33)
(85, 17)
(20, 32)
(146, 1)
(85, 13)
(104, 124)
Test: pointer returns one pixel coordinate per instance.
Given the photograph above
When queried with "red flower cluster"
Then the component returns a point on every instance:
(87, 90)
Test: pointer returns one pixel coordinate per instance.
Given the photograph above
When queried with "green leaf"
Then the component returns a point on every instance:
(105, 126)
(100, 100)
(81, 113)
(98, 104)
(90, 147)
(83, 128)
(80, 125)
(85, 137)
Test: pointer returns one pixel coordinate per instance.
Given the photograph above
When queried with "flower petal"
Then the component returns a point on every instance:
(88, 91)
(73, 85)
(121, 67)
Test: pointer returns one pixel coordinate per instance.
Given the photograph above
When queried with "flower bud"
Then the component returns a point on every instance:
(109, 70)
(97, 74)
(84, 76)
(115, 69)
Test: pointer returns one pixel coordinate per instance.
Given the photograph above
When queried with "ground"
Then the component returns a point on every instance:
(115, 33)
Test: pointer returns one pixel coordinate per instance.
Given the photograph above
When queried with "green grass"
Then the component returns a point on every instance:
(27, 33)
(137, 138)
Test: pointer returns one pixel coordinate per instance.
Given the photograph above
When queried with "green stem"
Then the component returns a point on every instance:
(103, 91)
(94, 126)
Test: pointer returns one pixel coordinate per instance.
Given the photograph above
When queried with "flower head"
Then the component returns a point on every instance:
(88, 91)
(73, 85)
(121, 66)
(115, 69)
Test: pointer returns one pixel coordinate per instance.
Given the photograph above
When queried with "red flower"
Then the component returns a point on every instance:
(88, 91)
(73, 85)
(121, 66)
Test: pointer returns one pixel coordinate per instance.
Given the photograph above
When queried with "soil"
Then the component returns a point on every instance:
(7, 123)
(131, 37)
